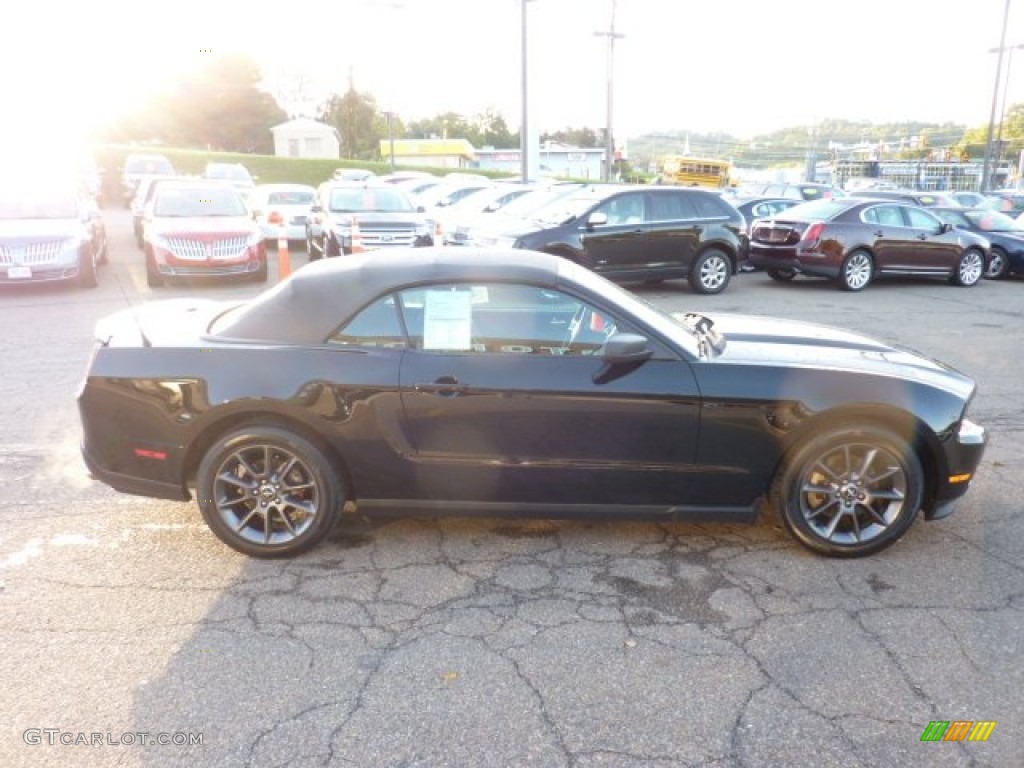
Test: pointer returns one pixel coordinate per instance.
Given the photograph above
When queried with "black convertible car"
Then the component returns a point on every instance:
(514, 383)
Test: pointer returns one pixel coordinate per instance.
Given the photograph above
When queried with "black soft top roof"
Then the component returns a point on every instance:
(307, 307)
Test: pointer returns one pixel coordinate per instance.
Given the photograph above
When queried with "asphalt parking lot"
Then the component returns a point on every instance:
(467, 642)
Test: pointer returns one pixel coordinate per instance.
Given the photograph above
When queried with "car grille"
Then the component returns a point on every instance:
(775, 235)
(385, 238)
(191, 249)
(45, 252)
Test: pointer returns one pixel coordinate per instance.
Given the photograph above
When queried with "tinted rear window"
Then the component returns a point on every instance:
(710, 206)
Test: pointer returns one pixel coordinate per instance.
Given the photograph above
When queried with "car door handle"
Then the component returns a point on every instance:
(879, 233)
(922, 236)
(445, 386)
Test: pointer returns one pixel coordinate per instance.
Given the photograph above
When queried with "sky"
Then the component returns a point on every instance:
(742, 67)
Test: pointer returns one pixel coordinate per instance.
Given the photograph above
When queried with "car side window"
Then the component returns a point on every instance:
(886, 215)
(710, 206)
(623, 209)
(502, 318)
(670, 206)
(921, 219)
(377, 325)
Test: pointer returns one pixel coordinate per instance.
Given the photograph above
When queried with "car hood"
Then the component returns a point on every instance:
(213, 225)
(790, 343)
(17, 230)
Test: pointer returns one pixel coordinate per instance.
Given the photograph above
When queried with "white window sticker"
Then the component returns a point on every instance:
(447, 319)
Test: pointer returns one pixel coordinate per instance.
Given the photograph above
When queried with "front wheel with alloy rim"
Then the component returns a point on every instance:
(268, 492)
(998, 264)
(850, 491)
(969, 269)
(782, 275)
(710, 272)
(856, 272)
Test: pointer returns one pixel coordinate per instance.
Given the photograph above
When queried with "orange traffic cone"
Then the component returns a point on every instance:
(284, 261)
(357, 238)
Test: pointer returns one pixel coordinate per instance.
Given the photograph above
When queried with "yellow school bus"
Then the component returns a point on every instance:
(695, 171)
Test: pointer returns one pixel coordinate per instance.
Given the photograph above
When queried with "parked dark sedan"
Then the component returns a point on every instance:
(854, 240)
(1006, 236)
(507, 382)
(630, 233)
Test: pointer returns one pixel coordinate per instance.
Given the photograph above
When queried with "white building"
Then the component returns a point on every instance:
(306, 138)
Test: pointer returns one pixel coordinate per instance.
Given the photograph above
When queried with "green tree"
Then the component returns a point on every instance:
(221, 107)
(358, 122)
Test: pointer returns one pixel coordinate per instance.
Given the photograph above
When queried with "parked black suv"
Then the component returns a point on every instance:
(633, 233)
(385, 216)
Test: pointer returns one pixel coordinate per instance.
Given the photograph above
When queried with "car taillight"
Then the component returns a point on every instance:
(275, 217)
(813, 232)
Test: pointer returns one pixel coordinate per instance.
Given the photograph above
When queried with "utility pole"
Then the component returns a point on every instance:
(609, 142)
(985, 181)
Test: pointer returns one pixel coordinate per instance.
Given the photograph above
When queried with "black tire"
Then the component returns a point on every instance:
(87, 270)
(782, 275)
(330, 247)
(998, 264)
(849, 491)
(969, 269)
(710, 272)
(153, 277)
(268, 492)
(312, 254)
(857, 271)
(260, 275)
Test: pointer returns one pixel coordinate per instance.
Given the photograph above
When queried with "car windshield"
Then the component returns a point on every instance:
(231, 172)
(816, 210)
(956, 218)
(537, 199)
(994, 221)
(198, 202)
(291, 197)
(566, 209)
(28, 204)
(148, 164)
(369, 199)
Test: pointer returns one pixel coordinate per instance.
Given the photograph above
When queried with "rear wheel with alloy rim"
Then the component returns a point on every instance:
(850, 492)
(267, 491)
(710, 272)
(856, 272)
(969, 269)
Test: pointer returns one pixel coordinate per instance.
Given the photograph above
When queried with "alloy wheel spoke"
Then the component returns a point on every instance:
(820, 510)
(833, 524)
(892, 495)
(869, 458)
(245, 520)
(874, 513)
(240, 457)
(233, 479)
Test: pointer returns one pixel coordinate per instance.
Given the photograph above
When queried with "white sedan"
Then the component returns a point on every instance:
(281, 209)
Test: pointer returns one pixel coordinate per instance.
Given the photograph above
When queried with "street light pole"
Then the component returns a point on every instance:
(985, 181)
(524, 132)
(391, 139)
(609, 143)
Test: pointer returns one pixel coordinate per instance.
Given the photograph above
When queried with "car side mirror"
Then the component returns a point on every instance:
(421, 209)
(492, 207)
(597, 218)
(625, 348)
(946, 227)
